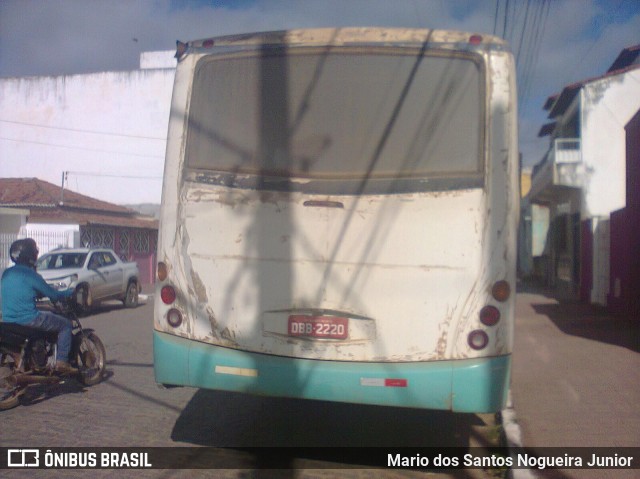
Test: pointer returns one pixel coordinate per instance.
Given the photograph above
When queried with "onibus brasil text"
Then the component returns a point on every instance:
(113, 460)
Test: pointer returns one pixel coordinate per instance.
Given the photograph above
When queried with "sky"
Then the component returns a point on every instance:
(556, 42)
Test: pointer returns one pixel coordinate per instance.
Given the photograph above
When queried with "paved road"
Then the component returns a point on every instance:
(575, 379)
(128, 409)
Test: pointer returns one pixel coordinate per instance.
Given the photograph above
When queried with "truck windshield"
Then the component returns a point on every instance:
(61, 261)
(343, 114)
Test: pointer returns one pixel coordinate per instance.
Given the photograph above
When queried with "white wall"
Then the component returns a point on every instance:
(110, 125)
(52, 236)
(12, 219)
(608, 105)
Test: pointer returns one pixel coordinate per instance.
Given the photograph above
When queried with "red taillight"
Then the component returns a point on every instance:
(489, 315)
(174, 317)
(478, 339)
(475, 39)
(501, 291)
(168, 294)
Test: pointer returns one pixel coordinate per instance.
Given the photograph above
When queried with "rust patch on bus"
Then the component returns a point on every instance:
(199, 288)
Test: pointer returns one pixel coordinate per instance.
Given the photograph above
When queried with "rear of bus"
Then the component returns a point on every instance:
(339, 218)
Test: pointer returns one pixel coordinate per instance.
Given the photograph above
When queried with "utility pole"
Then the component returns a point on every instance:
(64, 178)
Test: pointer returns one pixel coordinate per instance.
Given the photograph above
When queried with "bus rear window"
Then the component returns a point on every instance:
(343, 113)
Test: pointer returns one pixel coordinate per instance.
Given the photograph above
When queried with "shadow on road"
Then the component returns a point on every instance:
(239, 421)
(224, 419)
(593, 323)
(109, 306)
(317, 432)
(38, 393)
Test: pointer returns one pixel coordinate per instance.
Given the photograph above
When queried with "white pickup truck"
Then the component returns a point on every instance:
(97, 274)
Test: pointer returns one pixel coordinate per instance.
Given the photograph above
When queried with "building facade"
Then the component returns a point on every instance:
(56, 217)
(583, 180)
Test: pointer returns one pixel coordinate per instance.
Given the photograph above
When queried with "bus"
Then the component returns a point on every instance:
(339, 217)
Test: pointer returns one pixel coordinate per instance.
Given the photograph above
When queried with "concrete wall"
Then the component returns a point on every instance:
(52, 236)
(98, 126)
(12, 219)
(607, 106)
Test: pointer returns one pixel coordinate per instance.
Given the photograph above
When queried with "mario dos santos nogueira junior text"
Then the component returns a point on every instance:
(518, 460)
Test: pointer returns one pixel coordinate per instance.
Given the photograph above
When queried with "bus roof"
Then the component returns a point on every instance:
(346, 36)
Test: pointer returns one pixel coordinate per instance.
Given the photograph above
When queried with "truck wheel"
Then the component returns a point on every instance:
(84, 299)
(131, 296)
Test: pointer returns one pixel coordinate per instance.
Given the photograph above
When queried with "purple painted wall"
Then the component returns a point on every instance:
(625, 234)
(586, 261)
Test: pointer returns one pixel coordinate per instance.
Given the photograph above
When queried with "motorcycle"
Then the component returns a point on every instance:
(28, 356)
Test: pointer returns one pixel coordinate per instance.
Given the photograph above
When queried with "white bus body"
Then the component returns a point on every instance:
(339, 218)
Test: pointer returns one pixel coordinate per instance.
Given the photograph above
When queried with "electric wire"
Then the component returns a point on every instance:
(79, 130)
(124, 153)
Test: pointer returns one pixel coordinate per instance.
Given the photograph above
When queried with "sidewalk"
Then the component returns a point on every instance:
(575, 378)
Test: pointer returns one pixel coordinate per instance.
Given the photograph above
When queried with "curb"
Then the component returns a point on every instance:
(513, 436)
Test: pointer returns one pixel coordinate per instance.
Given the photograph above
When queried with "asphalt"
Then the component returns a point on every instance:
(575, 380)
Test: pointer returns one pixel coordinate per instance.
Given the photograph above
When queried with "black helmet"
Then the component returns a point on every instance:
(24, 251)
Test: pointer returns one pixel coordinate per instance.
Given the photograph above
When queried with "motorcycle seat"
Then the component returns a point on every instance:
(16, 331)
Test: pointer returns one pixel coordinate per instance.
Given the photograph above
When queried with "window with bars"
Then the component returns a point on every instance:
(98, 237)
(124, 241)
(141, 242)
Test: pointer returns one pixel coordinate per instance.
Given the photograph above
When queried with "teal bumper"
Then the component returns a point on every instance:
(467, 385)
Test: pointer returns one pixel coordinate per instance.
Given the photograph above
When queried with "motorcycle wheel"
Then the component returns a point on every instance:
(10, 399)
(9, 394)
(91, 360)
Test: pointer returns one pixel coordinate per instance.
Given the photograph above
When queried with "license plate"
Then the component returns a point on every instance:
(324, 327)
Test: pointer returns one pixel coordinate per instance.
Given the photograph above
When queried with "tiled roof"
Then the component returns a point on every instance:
(626, 62)
(48, 204)
(627, 57)
(28, 192)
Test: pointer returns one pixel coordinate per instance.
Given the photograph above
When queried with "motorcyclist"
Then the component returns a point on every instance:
(21, 287)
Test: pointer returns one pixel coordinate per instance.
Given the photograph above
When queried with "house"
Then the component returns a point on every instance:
(583, 182)
(55, 216)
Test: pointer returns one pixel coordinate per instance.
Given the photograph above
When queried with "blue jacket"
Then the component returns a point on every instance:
(21, 286)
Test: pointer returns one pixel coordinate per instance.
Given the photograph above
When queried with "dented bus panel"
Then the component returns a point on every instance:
(339, 218)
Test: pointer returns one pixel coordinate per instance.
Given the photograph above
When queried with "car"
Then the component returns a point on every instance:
(96, 274)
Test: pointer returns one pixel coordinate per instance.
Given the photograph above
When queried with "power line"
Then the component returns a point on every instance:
(495, 17)
(596, 41)
(107, 175)
(535, 49)
(506, 16)
(81, 148)
(78, 130)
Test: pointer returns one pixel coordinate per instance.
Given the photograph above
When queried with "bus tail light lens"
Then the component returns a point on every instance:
(489, 315)
(168, 294)
(174, 318)
(501, 291)
(478, 339)
(163, 271)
